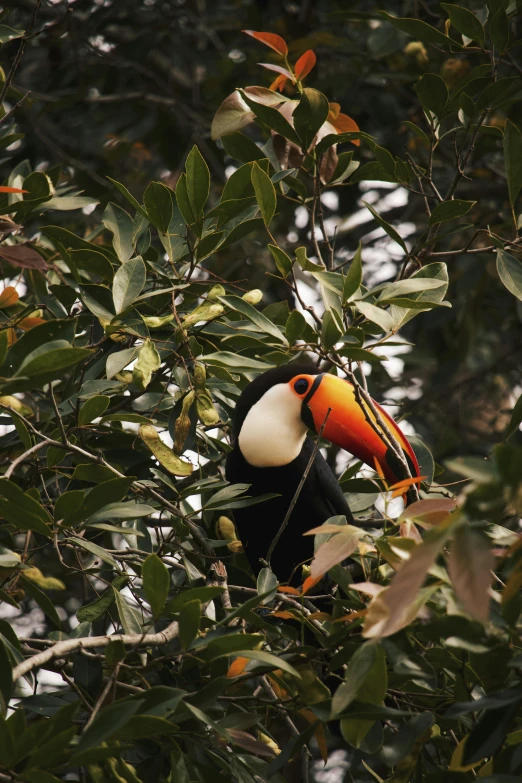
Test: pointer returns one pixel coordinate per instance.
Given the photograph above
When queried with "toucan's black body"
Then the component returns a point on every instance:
(320, 499)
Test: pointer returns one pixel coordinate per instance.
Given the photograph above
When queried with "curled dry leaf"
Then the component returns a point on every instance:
(272, 40)
(163, 454)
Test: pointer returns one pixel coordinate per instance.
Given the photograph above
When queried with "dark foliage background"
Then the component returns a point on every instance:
(123, 91)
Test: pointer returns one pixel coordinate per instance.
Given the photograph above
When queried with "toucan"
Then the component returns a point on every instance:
(272, 449)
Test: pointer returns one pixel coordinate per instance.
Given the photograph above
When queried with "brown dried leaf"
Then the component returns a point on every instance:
(470, 564)
(23, 256)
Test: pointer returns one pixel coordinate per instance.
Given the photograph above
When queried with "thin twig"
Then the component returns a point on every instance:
(14, 464)
(20, 53)
(298, 490)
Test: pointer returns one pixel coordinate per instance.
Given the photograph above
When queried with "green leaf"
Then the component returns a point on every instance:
(93, 611)
(98, 497)
(130, 198)
(386, 226)
(202, 594)
(92, 409)
(21, 510)
(128, 283)
(183, 202)
(265, 193)
(163, 454)
(249, 311)
(54, 357)
(435, 271)
(148, 362)
(375, 314)
(356, 673)
(413, 304)
(107, 722)
(516, 419)
(465, 22)
(273, 119)
(9, 33)
(450, 210)
(121, 225)
(266, 583)
(43, 601)
(353, 279)
(155, 583)
(240, 147)
(295, 326)
(372, 691)
(129, 616)
(513, 159)
(159, 205)
(6, 678)
(94, 549)
(432, 93)
(499, 30)
(310, 114)
(509, 269)
(198, 181)
(282, 261)
(420, 30)
(403, 287)
(189, 618)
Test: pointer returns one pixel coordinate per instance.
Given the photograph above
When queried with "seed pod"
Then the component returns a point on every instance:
(226, 530)
(204, 312)
(16, 405)
(253, 297)
(214, 292)
(200, 377)
(208, 415)
(154, 322)
(182, 426)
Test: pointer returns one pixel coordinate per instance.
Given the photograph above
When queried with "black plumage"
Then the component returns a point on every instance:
(321, 496)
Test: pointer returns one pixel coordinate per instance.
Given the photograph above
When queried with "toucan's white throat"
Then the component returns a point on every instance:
(273, 432)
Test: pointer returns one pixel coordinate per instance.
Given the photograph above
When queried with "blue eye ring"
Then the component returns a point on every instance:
(301, 386)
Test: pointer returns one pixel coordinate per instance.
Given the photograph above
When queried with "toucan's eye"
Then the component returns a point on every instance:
(301, 386)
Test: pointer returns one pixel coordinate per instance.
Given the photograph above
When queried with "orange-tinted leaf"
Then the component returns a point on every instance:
(335, 108)
(5, 189)
(278, 69)
(11, 336)
(305, 64)
(348, 618)
(283, 615)
(308, 583)
(318, 733)
(408, 482)
(378, 468)
(8, 297)
(237, 667)
(280, 692)
(279, 83)
(30, 323)
(319, 616)
(408, 529)
(272, 40)
(249, 743)
(344, 124)
(287, 589)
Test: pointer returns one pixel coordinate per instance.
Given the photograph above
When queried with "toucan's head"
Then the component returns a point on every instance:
(276, 410)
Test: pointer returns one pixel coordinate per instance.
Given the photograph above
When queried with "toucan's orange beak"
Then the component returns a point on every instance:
(347, 426)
